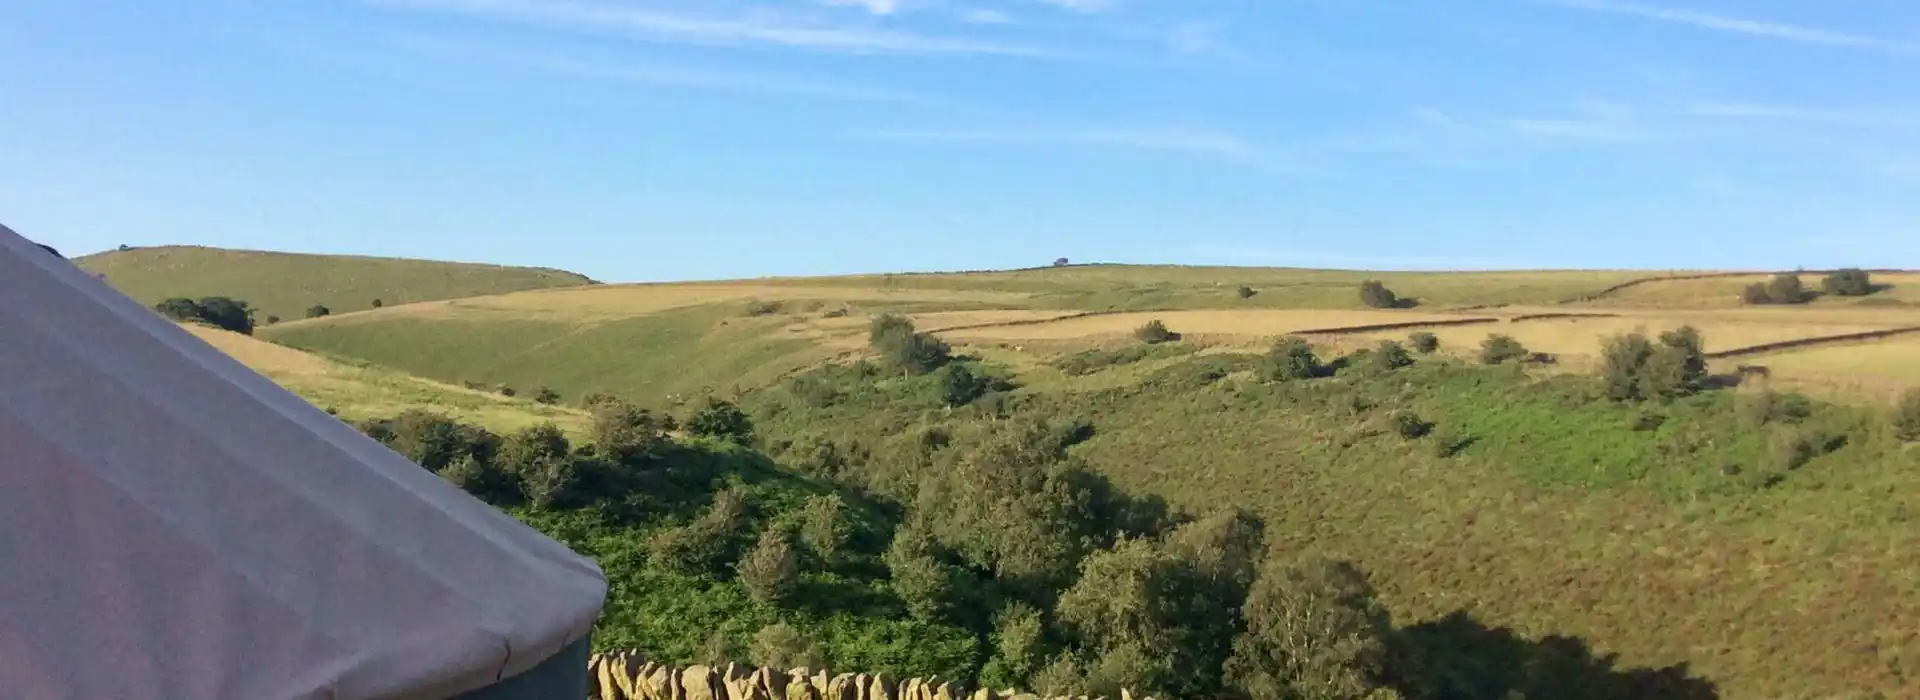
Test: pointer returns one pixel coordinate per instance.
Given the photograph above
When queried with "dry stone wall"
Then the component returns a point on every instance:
(626, 676)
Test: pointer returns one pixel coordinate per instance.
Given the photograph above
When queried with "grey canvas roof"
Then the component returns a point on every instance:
(173, 525)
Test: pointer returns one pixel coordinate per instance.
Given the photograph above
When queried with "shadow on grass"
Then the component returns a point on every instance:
(1459, 658)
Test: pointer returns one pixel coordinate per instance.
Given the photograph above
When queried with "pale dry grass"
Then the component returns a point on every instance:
(357, 393)
(1852, 372)
(1583, 336)
(1252, 323)
(1725, 291)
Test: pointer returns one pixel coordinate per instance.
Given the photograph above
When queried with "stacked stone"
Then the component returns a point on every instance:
(626, 676)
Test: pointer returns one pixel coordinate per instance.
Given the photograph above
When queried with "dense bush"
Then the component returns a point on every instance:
(1410, 426)
(779, 645)
(1851, 282)
(1784, 288)
(1424, 343)
(1154, 332)
(219, 312)
(706, 544)
(317, 310)
(1312, 632)
(721, 419)
(1769, 406)
(1245, 292)
(378, 303)
(1096, 359)
(1500, 349)
(959, 386)
(1389, 356)
(546, 396)
(1634, 368)
(432, 440)
(1906, 416)
(1291, 358)
(824, 528)
(903, 348)
(1376, 295)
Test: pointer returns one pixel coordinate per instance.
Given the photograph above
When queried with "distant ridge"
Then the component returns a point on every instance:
(287, 284)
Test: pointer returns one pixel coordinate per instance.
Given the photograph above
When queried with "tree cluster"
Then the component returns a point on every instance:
(1376, 295)
(905, 349)
(219, 312)
(1784, 288)
(1635, 368)
(1850, 282)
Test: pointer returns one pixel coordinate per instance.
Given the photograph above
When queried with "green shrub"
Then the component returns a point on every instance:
(378, 303)
(546, 396)
(1389, 356)
(913, 353)
(178, 309)
(1409, 425)
(628, 434)
(1246, 292)
(1291, 358)
(1424, 343)
(959, 386)
(770, 570)
(432, 440)
(1771, 407)
(272, 320)
(1019, 648)
(723, 420)
(927, 585)
(1316, 631)
(1793, 449)
(1154, 332)
(1633, 368)
(1095, 359)
(707, 543)
(1376, 295)
(485, 480)
(219, 312)
(508, 391)
(781, 646)
(554, 483)
(1851, 282)
(1500, 349)
(317, 310)
(1906, 417)
(1784, 288)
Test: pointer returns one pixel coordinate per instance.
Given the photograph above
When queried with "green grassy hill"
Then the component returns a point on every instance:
(286, 284)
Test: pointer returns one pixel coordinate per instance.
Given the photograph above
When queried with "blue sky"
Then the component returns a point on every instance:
(686, 139)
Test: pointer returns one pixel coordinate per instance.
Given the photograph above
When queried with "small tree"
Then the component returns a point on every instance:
(1500, 349)
(1424, 343)
(959, 386)
(1153, 332)
(721, 419)
(824, 528)
(626, 433)
(1246, 292)
(914, 353)
(1312, 632)
(1755, 294)
(227, 314)
(1376, 295)
(1851, 282)
(1389, 356)
(377, 303)
(273, 320)
(770, 570)
(1906, 417)
(178, 309)
(1634, 368)
(1291, 358)
(317, 310)
(1060, 262)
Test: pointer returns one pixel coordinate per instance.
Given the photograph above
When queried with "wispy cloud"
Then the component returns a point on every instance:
(616, 70)
(878, 7)
(1087, 6)
(1793, 113)
(761, 29)
(1751, 27)
(982, 15)
(1192, 142)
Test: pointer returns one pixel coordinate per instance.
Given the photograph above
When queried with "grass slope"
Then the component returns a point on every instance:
(286, 284)
(359, 391)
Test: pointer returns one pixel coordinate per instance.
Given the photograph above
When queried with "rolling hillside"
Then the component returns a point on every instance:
(287, 284)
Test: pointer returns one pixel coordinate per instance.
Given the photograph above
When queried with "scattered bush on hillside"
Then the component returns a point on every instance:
(722, 420)
(532, 448)
(273, 320)
(627, 433)
(1769, 406)
(1424, 343)
(1376, 295)
(432, 440)
(1246, 292)
(555, 483)
(1634, 368)
(1784, 288)
(779, 645)
(507, 391)
(910, 352)
(595, 399)
(1500, 349)
(1389, 356)
(756, 307)
(1153, 332)
(1906, 416)
(771, 569)
(219, 312)
(1291, 358)
(485, 480)
(377, 303)
(1020, 646)
(1410, 426)
(1793, 449)
(706, 544)
(1095, 359)
(929, 587)
(1315, 631)
(1850, 282)
(546, 396)
(316, 311)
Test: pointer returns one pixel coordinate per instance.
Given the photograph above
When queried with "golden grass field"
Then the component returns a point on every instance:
(1724, 292)
(358, 393)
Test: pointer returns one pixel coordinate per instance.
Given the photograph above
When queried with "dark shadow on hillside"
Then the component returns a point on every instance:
(1459, 658)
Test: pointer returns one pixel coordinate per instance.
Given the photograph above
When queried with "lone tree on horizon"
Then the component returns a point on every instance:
(1061, 262)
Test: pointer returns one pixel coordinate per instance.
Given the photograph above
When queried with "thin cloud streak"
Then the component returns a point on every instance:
(665, 76)
(687, 29)
(1750, 27)
(1181, 141)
